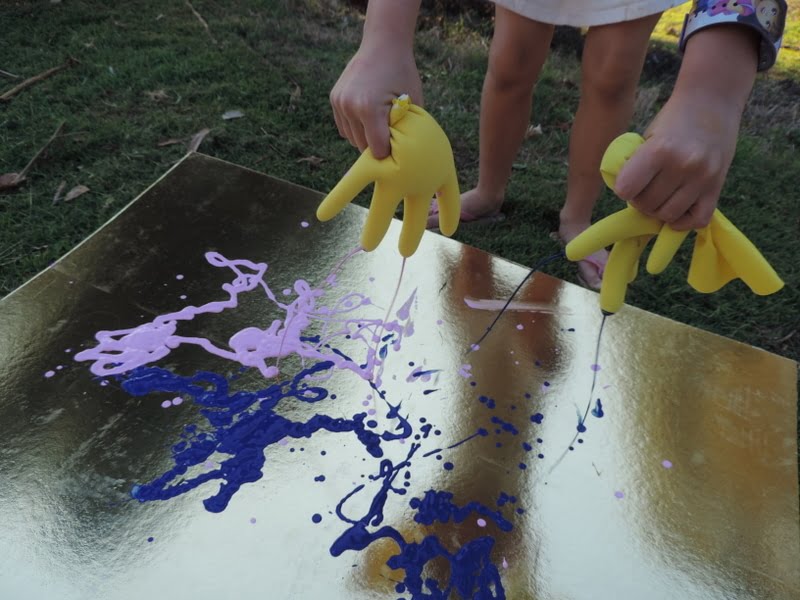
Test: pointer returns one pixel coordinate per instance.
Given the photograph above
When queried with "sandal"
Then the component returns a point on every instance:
(464, 216)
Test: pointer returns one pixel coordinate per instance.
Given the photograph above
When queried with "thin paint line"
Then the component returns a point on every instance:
(542, 263)
(389, 310)
(591, 394)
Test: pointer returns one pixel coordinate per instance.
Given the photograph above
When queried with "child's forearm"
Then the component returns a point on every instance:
(720, 65)
(390, 25)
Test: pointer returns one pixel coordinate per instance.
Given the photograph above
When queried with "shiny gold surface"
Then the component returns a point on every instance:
(721, 523)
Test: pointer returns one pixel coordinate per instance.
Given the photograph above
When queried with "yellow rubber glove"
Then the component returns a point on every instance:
(419, 166)
(721, 252)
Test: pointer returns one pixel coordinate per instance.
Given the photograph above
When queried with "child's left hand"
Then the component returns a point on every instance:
(678, 174)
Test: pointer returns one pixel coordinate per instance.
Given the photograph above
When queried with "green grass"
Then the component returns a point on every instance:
(148, 72)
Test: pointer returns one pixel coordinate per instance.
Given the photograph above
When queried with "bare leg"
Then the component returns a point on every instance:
(613, 57)
(519, 49)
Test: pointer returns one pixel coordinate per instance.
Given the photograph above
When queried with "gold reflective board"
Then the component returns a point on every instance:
(414, 466)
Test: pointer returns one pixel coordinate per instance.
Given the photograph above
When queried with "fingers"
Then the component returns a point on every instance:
(666, 246)
(381, 211)
(415, 217)
(369, 127)
(621, 225)
(349, 186)
(449, 201)
(698, 215)
(637, 173)
(658, 199)
(620, 271)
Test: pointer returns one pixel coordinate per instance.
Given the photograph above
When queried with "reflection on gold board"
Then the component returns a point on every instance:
(269, 415)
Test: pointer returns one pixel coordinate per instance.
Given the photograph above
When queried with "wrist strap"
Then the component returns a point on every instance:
(767, 17)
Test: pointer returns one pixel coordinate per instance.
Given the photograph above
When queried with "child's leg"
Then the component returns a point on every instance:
(613, 57)
(518, 51)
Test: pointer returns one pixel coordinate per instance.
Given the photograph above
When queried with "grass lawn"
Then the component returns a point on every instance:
(150, 71)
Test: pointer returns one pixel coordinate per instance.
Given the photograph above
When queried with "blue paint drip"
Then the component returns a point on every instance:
(537, 418)
(597, 411)
(472, 574)
(505, 426)
(426, 392)
(416, 374)
(243, 425)
(319, 478)
(581, 427)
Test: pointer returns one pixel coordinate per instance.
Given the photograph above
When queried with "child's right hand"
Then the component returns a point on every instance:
(362, 97)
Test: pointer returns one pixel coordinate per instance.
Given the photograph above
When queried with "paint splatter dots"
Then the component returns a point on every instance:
(481, 522)
(448, 466)
(178, 276)
(520, 327)
(304, 224)
(541, 455)
(619, 495)
(475, 347)
(49, 374)
(439, 321)
(319, 478)
(151, 539)
(316, 518)
(537, 418)
(166, 404)
(59, 367)
(523, 466)
(253, 520)
(177, 400)
(505, 563)
(666, 464)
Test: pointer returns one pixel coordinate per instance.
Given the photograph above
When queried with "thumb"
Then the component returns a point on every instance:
(376, 130)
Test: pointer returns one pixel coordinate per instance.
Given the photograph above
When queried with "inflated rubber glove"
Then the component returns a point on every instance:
(419, 166)
(721, 252)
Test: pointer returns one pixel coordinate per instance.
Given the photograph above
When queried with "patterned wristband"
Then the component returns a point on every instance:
(767, 17)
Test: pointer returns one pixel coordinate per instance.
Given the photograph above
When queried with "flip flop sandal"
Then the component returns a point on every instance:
(467, 217)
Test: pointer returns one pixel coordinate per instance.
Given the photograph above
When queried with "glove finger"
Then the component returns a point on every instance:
(449, 200)
(381, 211)
(415, 218)
(620, 271)
(624, 224)
(743, 257)
(349, 186)
(666, 246)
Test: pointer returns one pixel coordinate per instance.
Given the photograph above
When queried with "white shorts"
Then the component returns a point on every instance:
(586, 13)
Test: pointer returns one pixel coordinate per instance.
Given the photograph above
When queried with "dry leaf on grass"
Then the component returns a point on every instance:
(170, 142)
(533, 131)
(197, 139)
(314, 161)
(10, 180)
(157, 95)
(78, 190)
(294, 96)
(57, 195)
(232, 114)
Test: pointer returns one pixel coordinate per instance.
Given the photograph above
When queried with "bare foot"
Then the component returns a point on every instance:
(475, 206)
(590, 269)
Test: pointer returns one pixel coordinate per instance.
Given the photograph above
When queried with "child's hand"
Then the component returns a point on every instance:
(362, 97)
(678, 174)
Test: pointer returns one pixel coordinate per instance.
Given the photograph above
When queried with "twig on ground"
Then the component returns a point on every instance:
(202, 22)
(11, 180)
(36, 79)
(9, 75)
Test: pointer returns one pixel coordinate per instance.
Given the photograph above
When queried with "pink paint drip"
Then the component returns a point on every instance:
(122, 350)
(497, 305)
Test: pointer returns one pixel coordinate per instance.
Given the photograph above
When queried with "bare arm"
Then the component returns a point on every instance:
(382, 69)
